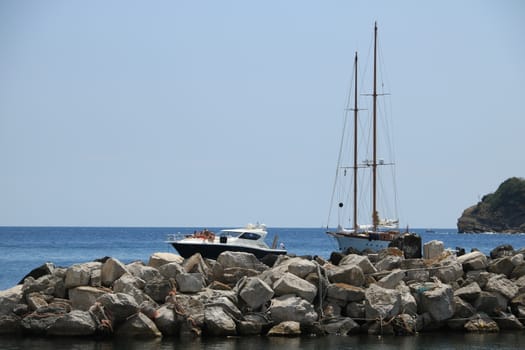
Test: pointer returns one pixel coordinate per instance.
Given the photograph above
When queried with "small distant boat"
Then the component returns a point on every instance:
(248, 239)
(380, 232)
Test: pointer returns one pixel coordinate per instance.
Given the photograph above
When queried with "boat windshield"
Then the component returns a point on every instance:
(250, 235)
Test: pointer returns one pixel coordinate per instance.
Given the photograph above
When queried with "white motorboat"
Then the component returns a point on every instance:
(249, 239)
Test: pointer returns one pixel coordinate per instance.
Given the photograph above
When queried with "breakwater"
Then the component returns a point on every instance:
(237, 294)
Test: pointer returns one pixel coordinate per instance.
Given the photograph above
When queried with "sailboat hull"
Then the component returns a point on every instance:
(361, 242)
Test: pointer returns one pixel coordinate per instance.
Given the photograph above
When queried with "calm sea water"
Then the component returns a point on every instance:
(24, 248)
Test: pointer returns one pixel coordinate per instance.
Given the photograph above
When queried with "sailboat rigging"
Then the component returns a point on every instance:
(380, 232)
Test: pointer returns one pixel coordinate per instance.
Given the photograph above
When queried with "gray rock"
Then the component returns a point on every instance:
(469, 292)
(389, 263)
(171, 270)
(218, 322)
(145, 273)
(120, 305)
(355, 310)
(349, 274)
(157, 260)
(360, 260)
(503, 266)
(189, 282)
(83, 297)
(490, 303)
(433, 249)
(112, 270)
(292, 308)
(35, 301)
(345, 292)
(301, 268)
(381, 302)
(408, 302)
(38, 323)
(291, 284)
(473, 261)
(502, 285)
(138, 326)
(240, 259)
(418, 275)
(340, 326)
(517, 306)
(507, 321)
(158, 289)
(80, 274)
(438, 302)
(518, 271)
(10, 324)
(166, 322)
(286, 328)
(391, 280)
(448, 271)
(254, 292)
(47, 284)
(74, 323)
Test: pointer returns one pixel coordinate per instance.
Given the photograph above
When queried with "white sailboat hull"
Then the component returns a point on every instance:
(359, 242)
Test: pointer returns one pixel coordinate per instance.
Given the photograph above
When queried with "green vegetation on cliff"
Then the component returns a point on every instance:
(501, 211)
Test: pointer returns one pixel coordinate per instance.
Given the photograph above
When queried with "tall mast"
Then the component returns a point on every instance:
(375, 216)
(355, 145)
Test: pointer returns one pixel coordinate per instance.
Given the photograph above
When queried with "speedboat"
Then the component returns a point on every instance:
(248, 239)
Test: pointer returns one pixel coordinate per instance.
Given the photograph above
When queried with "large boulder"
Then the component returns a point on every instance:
(301, 268)
(345, 292)
(473, 261)
(502, 285)
(481, 323)
(503, 266)
(189, 282)
(255, 292)
(433, 249)
(292, 308)
(74, 323)
(84, 296)
(80, 274)
(360, 260)
(145, 273)
(112, 269)
(291, 284)
(218, 322)
(469, 292)
(157, 260)
(138, 326)
(381, 302)
(391, 280)
(10, 324)
(340, 326)
(349, 274)
(286, 328)
(438, 302)
(10, 298)
(120, 305)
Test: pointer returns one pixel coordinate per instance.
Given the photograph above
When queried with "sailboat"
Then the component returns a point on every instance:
(380, 232)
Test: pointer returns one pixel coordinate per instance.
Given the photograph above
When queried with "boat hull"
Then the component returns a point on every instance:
(359, 242)
(213, 250)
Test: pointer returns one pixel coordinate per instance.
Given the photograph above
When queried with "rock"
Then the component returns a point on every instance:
(433, 249)
(481, 323)
(43, 270)
(355, 310)
(340, 326)
(345, 292)
(292, 308)
(417, 275)
(254, 292)
(189, 282)
(35, 301)
(489, 302)
(38, 322)
(391, 280)
(503, 266)
(112, 269)
(438, 302)
(196, 264)
(517, 306)
(120, 305)
(156, 260)
(473, 261)
(286, 328)
(301, 268)
(171, 270)
(480, 277)
(389, 263)
(145, 273)
(291, 284)
(10, 324)
(501, 251)
(503, 286)
(74, 323)
(469, 292)
(240, 259)
(80, 274)
(158, 289)
(507, 321)
(519, 271)
(408, 302)
(138, 326)
(463, 311)
(360, 260)
(83, 297)
(381, 302)
(349, 274)
(448, 270)
(132, 286)
(218, 322)
(166, 322)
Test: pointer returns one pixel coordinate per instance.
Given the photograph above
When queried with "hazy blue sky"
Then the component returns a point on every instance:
(219, 113)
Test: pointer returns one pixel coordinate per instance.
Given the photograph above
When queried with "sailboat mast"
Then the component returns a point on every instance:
(375, 216)
(355, 145)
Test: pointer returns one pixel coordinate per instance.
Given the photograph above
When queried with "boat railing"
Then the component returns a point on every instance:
(173, 237)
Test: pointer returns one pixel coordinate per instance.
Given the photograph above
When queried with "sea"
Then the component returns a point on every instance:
(25, 248)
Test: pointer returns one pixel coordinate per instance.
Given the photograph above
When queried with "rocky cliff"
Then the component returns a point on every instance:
(501, 211)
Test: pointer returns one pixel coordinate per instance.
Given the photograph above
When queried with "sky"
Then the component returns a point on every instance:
(220, 113)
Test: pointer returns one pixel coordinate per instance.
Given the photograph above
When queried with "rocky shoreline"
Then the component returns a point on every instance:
(237, 294)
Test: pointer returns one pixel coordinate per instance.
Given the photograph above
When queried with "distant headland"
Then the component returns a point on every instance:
(502, 211)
